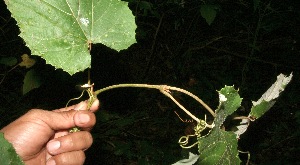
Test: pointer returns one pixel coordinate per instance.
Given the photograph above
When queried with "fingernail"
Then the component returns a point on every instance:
(84, 118)
(51, 162)
(53, 145)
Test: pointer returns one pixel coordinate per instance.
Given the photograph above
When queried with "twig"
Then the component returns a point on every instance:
(5, 74)
(166, 91)
(242, 117)
(196, 98)
(152, 48)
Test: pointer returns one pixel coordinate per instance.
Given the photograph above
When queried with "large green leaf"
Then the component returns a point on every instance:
(8, 155)
(60, 31)
(220, 147)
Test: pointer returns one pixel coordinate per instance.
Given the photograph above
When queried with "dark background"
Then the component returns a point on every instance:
(243, 47)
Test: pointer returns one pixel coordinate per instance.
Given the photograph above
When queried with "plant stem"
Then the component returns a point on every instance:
(166, 91)
(196, 98)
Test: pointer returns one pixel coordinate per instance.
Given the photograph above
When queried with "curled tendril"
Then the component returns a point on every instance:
(184, 140)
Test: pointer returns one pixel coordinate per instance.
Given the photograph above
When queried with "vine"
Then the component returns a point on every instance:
(164, 89)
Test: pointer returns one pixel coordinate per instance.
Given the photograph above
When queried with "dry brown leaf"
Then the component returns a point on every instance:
(27, 61)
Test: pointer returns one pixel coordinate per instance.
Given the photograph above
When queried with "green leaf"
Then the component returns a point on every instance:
(229, 101)
(9, 61)
(208, 12)
(219, 146)
(268, 99)
(61, 31)
(31, 81)
(258, 110)
(8, 155)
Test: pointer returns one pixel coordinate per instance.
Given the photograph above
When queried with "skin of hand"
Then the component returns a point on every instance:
(42, 137)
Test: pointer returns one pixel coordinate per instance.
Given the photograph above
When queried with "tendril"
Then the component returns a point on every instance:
(184, 140)
(75, 98)
(201, 126)
(186, 120)
(92, 97)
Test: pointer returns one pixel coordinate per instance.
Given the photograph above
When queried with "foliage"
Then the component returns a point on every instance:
(69, 28)
(8, 153)
(31, 81)
(209, 12)
(247, 45)
(220, 147)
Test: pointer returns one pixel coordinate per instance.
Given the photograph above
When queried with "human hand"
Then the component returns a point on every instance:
(42, 137)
